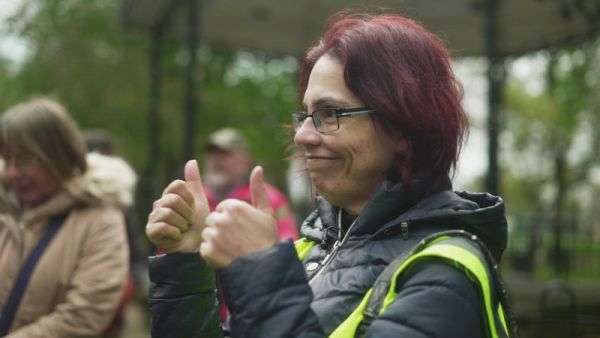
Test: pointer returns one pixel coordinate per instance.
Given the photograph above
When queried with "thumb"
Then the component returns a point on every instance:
(193, 179)
(260, 198)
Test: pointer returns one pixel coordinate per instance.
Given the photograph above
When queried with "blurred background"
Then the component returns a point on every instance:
(161, 75)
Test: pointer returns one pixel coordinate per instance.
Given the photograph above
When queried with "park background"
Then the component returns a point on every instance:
(81, 53)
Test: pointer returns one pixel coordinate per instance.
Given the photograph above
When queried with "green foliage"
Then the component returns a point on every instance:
(551, 153)
(522, 193)
(81, 56)
(560, 124)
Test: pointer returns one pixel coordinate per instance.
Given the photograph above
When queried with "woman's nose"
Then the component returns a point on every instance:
(307, 134)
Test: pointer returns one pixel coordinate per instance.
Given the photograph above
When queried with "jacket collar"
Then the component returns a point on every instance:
(389, 201)
(479, 213)
(57, 205)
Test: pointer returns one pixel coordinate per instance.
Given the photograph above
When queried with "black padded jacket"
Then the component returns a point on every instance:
(273, 294)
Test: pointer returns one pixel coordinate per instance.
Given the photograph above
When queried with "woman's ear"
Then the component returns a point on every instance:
(400, 142)
(401, 145)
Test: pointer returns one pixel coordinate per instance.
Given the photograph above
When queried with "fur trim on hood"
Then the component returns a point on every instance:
(109, 180)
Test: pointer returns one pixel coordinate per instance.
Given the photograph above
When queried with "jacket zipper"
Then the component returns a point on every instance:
(336, 246)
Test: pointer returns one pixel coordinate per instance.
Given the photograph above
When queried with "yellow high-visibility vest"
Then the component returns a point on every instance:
(458, 251)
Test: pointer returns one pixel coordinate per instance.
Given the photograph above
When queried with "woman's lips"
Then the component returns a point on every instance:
(318, 162)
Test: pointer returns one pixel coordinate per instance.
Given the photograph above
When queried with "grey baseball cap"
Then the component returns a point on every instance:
(227, 139)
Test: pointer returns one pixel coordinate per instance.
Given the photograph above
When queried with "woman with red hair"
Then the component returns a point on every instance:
(390, 251)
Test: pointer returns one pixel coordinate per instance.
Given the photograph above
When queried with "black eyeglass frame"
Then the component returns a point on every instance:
(339, 112)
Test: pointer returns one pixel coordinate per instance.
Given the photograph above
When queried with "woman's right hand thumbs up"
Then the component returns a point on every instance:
(178, 217)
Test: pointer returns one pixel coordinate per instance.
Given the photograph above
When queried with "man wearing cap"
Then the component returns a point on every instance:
(227, 172)
(227, 175)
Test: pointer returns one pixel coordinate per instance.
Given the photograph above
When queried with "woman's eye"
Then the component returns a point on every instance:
(328, 113)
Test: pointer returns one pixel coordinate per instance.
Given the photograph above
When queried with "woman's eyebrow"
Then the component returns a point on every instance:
(326, 102)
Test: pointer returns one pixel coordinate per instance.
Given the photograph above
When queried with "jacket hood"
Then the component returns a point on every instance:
(109, 180)
(481, 214)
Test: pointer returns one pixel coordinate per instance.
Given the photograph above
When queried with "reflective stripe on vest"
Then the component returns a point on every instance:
(303, 246)
(460, 253)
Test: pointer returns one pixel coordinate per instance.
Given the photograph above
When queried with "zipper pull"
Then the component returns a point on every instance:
(336, 245)
(404, 228)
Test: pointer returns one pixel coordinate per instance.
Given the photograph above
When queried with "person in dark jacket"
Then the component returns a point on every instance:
(380, 134)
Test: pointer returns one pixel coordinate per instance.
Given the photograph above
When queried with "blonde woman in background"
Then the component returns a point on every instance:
(48, 185)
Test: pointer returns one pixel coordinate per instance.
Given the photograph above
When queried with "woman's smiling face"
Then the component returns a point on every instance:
(348, 165)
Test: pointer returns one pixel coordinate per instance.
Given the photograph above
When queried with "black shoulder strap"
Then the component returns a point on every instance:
(14, 298)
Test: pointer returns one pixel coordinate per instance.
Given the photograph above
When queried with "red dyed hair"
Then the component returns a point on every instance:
(403, 72)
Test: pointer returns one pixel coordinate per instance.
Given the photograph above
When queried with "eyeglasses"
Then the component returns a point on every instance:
(21, 161)
(326, 120)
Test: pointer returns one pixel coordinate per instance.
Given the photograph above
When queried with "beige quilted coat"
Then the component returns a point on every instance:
(78, 282)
